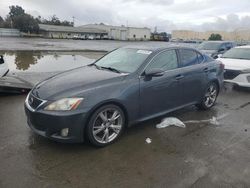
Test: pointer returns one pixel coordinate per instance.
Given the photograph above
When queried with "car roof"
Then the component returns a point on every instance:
(157, 48)
(244, 47)
(218, 41)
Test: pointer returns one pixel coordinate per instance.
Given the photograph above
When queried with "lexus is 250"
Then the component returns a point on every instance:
(128, 85)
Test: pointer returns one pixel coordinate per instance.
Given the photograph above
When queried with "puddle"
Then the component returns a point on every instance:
(45, 61)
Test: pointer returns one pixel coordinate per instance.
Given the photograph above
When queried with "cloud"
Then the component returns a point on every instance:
(166, 15)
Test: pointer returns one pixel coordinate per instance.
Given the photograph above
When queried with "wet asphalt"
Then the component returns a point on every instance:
(200, 155)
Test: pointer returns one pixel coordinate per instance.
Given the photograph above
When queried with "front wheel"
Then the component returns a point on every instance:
(106, 125)
(210, 97)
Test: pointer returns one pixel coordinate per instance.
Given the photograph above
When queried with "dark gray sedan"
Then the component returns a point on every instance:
(126, 86)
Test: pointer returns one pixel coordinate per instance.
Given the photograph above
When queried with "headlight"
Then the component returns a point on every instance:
(65, 104)
(246, 71)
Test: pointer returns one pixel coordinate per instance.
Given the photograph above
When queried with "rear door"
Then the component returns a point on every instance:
(195, 75)
(160, 94)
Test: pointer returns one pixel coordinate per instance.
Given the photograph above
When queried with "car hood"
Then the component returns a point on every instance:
(73, 82)
(3, 69)
(235, 64)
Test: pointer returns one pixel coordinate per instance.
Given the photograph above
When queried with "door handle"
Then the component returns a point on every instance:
(179, 77)
(206, 69)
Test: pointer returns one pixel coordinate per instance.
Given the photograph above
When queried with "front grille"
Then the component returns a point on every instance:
(231, 74)
(34, 102)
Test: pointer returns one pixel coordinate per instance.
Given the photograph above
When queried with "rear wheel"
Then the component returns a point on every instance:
(210, 97)
(106, 125)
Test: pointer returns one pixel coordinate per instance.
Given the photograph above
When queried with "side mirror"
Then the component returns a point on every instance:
(154, 72)
(221, 50)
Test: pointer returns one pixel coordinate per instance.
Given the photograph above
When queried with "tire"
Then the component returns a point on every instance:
(106, 125)
(210, 97)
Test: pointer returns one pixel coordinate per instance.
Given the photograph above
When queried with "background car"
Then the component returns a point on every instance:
(91, 37)
(237, 66)
(127, 86)
(3, 67)
(215, 48)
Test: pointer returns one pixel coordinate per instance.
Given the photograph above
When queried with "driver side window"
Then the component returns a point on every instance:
(166, 60)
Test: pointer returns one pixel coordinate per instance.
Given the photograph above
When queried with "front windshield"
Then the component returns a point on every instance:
(209, 46)
(238, 53)
(125, 60)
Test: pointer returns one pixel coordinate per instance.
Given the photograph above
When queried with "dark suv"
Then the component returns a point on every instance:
(214, 48)
(127, 86)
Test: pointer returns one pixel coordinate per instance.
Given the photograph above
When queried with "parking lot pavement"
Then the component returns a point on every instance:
(200, 155)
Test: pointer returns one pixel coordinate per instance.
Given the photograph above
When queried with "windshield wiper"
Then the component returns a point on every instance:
(93, 64)
(111, 69)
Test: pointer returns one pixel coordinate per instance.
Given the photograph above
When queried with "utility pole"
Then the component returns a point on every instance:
(73, 20)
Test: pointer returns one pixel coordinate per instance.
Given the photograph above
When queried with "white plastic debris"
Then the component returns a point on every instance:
(170, 121)
(176, 122)
(214, 121)
(148, 140)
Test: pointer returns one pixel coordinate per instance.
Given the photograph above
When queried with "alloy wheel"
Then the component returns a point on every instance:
(107, 125)
(210, 96)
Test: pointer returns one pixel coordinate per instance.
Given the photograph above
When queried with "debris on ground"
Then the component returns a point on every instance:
(166, 122)
(148, 140)
(170, 121)
(213, 120)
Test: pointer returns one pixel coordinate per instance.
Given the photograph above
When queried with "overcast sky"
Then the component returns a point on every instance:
(165, 14)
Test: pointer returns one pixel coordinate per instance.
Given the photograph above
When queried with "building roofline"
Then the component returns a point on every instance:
(56, 28)
(114, 26)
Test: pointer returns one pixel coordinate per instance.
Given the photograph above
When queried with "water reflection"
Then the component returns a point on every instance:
(41, 61)
(24, 59)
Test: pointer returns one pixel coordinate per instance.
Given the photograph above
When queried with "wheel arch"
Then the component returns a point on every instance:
(112, 102)
(217, 83)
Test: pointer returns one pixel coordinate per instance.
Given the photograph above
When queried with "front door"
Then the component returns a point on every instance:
(160, 94)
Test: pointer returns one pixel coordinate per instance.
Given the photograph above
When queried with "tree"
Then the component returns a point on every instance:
(26, 23)
(16, 11)
(215, 37)
(1, 22)
(7, 22)
(22, 21)
(54, 20)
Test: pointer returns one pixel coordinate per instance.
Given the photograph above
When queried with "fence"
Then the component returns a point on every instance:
(4, 32)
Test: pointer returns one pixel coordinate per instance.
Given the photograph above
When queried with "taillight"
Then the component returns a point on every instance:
(222, 66)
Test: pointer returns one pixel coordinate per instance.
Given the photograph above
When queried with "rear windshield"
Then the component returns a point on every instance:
(238, 53)
(209, 46)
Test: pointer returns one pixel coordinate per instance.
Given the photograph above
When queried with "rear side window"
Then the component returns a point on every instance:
(200, 58)
(223, 46)
(229, 46)
(188, 57)
(166, 60)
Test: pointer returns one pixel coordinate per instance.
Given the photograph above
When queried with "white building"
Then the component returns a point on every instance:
(68, 32)
(122, 32)
(7, 32)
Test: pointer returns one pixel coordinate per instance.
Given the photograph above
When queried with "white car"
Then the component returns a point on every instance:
(3, 67)
(237, 66)
(91, 37)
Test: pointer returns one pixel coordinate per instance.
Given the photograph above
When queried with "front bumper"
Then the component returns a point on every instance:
(240, 79)
(50, 124)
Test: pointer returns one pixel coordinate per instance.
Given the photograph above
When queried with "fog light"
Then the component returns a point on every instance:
(65, 132)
